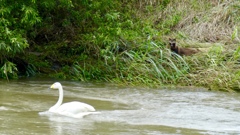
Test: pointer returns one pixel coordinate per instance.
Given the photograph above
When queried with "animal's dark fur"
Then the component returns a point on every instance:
(181, 51)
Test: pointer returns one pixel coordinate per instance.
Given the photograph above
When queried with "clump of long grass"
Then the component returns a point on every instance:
(155, 66)
(215, 70)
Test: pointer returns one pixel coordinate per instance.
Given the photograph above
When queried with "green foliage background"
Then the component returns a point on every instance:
(116, 41)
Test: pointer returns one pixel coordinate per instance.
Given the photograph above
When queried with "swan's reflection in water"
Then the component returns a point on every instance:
(62, 125)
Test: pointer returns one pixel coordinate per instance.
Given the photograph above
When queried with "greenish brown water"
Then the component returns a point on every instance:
(124, 110)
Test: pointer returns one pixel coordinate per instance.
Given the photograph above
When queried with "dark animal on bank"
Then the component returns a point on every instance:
(181, 51)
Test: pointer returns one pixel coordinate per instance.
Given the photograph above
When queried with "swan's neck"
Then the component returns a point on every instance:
(59, 102)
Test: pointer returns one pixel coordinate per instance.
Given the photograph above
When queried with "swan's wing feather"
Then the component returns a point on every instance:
(75, 107)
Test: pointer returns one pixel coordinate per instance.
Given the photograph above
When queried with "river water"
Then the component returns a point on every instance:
(123, 110)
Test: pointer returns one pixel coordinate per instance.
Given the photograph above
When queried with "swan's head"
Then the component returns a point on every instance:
(56, 85)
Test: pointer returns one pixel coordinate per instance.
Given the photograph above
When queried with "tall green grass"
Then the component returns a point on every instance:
(152, 66)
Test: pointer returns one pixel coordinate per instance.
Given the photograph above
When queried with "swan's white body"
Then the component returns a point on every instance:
(72, 109)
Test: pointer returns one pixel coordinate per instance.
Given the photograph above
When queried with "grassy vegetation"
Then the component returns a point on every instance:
(211, 26)
(112, 41)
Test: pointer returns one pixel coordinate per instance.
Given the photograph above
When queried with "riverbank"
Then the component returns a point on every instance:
(124, 42)
(134, 50)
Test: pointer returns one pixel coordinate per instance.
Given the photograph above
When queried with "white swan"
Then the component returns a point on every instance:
(72, 109)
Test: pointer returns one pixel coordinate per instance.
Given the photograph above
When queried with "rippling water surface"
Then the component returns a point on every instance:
(124, 110)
